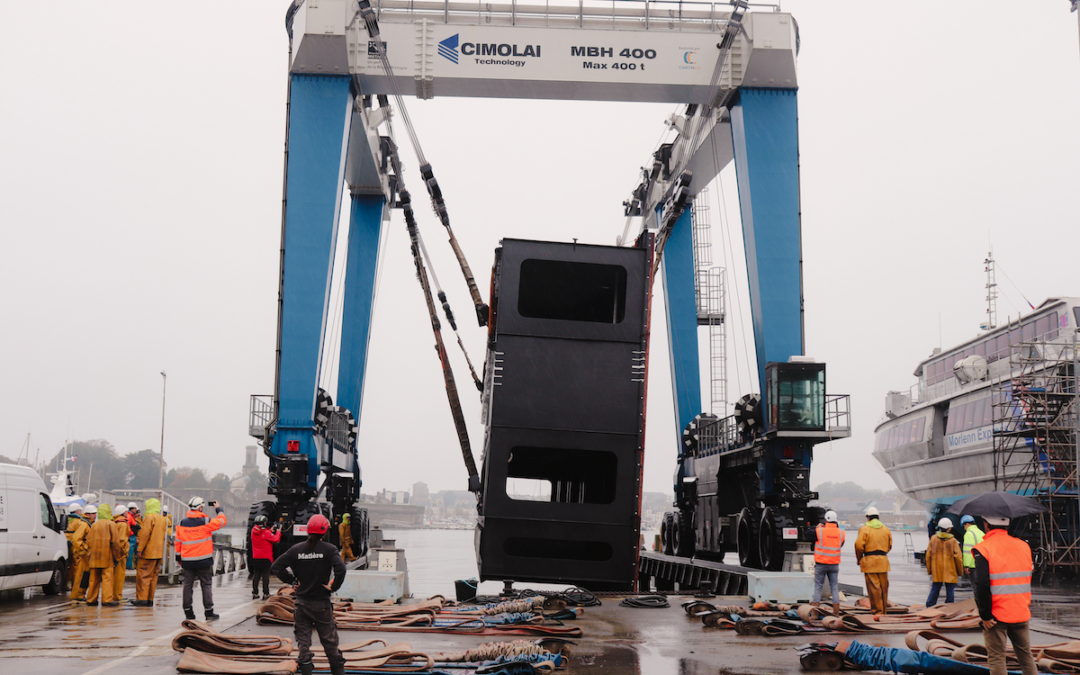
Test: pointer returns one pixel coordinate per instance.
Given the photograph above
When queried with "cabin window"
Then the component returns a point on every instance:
(1028, 331)
(978, 410)
(1052, 331)
(563, 475)
(980, 349)
(1076, 315)
(920, 432)
(956, 419)
(1042, 326)
(988, 412)
(572, 291)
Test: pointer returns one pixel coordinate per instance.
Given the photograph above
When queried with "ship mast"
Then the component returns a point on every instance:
(991, 293)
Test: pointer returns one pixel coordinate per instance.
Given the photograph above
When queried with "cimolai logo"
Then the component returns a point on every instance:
(449, 50)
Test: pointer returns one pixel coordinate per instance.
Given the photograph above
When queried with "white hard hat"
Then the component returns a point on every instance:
(996, 522)
(195, 503)
(90, 510)
(872, 511)
(119, 510)
(944, 524)
(164, 508)
(76, 508)
(89, 497)
(830, 516)
(132, 506)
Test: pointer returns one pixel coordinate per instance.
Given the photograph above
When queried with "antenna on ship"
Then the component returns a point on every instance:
(991, 293)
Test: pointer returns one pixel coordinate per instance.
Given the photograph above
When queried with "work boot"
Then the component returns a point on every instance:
(110, 604)
(254, 596)
(266, 596)
(210, 616)
(307, 667)
(91, 604)
(337, 668)
(189, 614)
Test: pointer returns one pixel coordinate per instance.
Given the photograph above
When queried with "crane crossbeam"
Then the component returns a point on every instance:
(637, 51)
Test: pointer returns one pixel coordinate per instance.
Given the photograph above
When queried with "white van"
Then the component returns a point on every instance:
(33, 549)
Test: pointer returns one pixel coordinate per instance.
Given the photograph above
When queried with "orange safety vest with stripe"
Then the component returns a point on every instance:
(1009, 562)
(829, 540)
(195, 539)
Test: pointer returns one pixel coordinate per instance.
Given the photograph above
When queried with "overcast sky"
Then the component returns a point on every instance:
(140, 199)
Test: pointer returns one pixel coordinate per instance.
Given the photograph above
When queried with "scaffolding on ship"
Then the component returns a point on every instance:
(1036, 439)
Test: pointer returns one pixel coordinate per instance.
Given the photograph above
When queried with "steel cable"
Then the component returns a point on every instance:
(646, 602)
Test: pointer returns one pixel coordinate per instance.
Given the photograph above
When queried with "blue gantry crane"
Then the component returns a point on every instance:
(351, 63)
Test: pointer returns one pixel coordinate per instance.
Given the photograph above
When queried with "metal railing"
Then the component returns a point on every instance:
(594, 14)
(838, 413)
(260, 415)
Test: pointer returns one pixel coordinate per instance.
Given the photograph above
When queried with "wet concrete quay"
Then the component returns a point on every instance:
(40, 634)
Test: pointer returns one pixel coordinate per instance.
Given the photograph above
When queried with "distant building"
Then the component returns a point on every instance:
(251, 459)
(420, 493)
(901, 513)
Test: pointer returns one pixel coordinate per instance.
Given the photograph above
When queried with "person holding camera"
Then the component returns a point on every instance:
(262, 555)
(195, 553)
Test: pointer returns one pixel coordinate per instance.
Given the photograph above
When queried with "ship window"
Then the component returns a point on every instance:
(1076, 315)
(980, 349)
(988, 412)
(1028, 331)
(920, 432)
(1052, 331)
(956, 419)
(572, 291)
(571, 476)
(979, 409)
(912, 432)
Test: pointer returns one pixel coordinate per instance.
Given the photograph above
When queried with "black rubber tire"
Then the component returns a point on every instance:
(685, 538)
(666, 525)
(359, 524)
(58, 581)
(746, 537)
(770, 542)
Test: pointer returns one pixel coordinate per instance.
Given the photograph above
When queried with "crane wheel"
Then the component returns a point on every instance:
(684, 540)
(771, 539)
(746, 538)
(666, 525)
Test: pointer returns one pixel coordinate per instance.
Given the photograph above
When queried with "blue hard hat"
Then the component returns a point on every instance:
(966, 519)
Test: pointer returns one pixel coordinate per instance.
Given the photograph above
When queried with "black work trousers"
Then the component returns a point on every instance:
(317, 614)
(205, 575)
(260, 569)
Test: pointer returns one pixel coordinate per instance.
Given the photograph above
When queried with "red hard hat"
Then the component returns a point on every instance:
(318, 525)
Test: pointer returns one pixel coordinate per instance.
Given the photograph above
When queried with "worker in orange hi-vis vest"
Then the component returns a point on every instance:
(872, 548)
(195, 553)
(1002, 584)
(830, 539)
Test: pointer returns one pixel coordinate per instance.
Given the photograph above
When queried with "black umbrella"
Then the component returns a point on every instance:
(997, 505)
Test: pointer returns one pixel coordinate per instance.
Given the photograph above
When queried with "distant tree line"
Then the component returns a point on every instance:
(101, 467)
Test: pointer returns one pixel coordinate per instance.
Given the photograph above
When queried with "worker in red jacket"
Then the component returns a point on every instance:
(262, 555)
